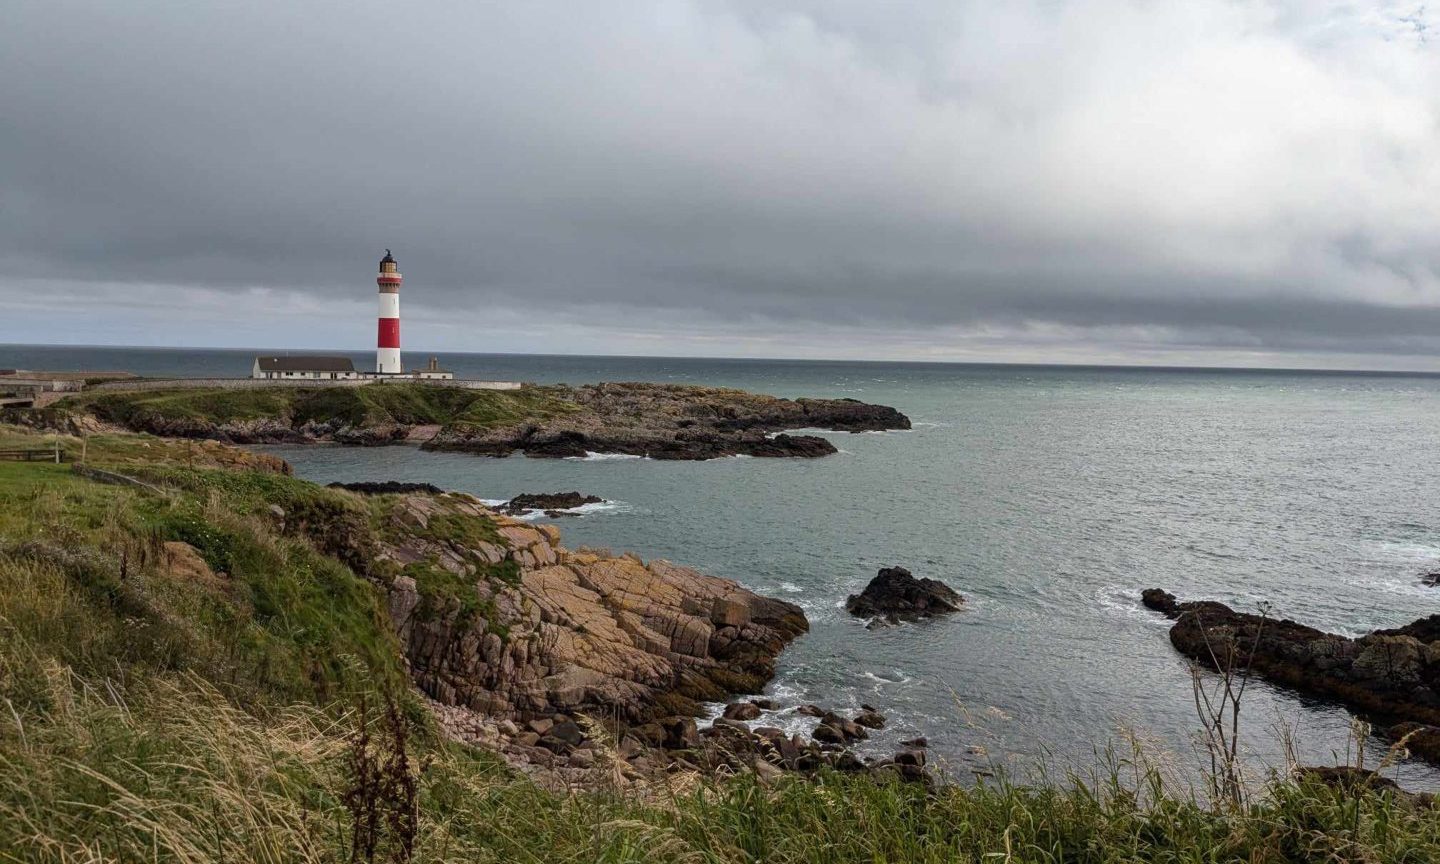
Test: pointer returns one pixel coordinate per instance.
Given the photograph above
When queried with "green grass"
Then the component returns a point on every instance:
(409, 404)
(147, 715)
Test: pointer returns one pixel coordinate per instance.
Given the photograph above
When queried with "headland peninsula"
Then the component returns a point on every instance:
(659, 421)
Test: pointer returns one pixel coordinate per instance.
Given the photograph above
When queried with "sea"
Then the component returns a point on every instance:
(1048, 496)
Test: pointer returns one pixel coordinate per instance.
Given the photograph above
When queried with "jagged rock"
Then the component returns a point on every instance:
(1432, 579)
(870, 718)
(910, 757)
(681, 733)
(1160, 601)
(827, 734)
(741, 711)
(728, 723)
(575, 631)
(568, 731)
(810, 711)
(895, 593)
(916, 743)
(1393, 673)
(547, 501)
(848, 728)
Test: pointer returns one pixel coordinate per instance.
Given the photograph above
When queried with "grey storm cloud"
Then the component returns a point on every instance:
(902, 179)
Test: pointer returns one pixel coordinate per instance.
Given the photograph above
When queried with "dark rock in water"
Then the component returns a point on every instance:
(1432, 579)
(911, 757)
(1159, 600)
(810, 711)
(870, 718)
(548, 501)
(848, 728)
(1391, 673)
(894, 592)
(827, 734)
(742, 711)
(916, 743)
(388, 487)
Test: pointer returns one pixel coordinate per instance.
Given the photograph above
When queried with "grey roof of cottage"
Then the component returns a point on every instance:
(305, 363)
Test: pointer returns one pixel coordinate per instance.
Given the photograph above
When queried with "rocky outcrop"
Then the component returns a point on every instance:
(674, 422)
(1388, 674)
(549, 502)
(535, 629)
(895, 595)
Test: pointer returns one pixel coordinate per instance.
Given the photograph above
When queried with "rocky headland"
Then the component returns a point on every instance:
(664, 421)
(658, 421)
(1390, 675)
(546, 654)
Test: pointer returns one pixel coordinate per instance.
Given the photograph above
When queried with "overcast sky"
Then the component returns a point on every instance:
(1207, 181)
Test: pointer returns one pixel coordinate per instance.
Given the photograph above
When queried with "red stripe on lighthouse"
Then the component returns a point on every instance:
(389, 333)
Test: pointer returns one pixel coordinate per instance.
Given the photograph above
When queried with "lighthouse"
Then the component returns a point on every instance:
(387, 345)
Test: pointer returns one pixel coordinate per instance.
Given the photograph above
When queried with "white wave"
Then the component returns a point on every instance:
(1125, 602)
(791, 587)
(1400, 551)
(603, 457)
(600, 507)
(901, 679)
(494, 502)
(594, 508)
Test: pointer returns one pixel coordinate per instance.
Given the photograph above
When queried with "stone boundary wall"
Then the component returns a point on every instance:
(263, 383)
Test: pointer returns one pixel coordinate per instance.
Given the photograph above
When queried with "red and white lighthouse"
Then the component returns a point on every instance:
(387, 345)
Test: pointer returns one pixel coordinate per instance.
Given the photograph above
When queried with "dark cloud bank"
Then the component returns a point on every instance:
(1076, 181)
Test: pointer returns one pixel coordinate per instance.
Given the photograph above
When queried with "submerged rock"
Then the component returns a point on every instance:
(895, 595)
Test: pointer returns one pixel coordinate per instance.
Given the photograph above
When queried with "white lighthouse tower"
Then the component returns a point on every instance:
(387, 345)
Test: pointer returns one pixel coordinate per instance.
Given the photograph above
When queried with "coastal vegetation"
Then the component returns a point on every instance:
(199, 666)
(405, 404)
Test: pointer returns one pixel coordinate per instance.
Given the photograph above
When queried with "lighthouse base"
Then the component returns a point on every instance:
(387, 361)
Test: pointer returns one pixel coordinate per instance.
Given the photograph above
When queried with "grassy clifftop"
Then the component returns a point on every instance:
(408, 404)
(185, 678)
